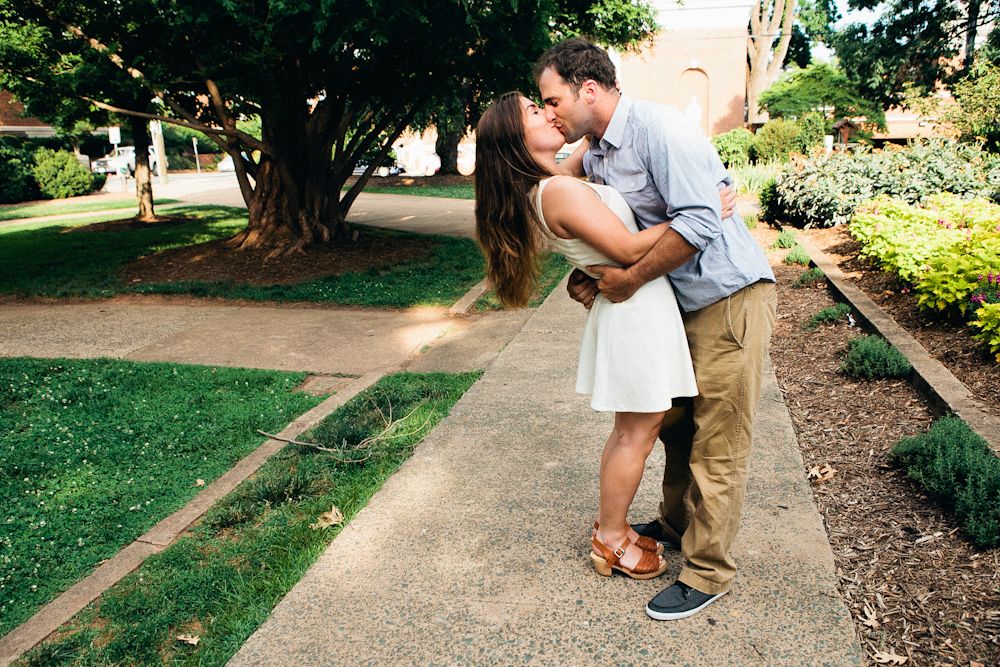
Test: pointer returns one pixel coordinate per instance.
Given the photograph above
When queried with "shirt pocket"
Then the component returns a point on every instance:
(626, 173)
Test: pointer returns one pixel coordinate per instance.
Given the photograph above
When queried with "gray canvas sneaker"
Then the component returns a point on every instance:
(679, 601)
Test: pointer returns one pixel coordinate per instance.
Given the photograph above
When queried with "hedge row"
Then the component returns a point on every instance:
(27, 174)
(826, 190)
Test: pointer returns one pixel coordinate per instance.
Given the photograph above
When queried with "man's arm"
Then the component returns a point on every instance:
(670, 252)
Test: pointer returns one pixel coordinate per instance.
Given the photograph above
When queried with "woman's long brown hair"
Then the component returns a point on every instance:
(507, 223)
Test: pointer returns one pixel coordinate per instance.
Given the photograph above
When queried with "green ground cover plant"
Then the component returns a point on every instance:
(826, 190)
(554, 269)
(872, 357)
(752, 179)
(797, 255)
(49, 259)
(828, 315)
(64, 207)
(809, 277)
(958, 468)
(786, 239)
(221, 581)
(94, 452)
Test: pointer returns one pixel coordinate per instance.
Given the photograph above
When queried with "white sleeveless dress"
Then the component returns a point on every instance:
(634, 355)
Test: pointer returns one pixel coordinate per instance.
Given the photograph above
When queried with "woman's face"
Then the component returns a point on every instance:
(539, 134)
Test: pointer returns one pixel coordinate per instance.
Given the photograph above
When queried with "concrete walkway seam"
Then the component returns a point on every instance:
(53, 615)
(945, 392)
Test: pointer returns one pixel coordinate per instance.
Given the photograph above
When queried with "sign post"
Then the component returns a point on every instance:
(197, 163)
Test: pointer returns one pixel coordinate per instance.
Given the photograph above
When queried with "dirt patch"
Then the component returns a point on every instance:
(948, 341)
(125, 224)
(916, 588)
(403, 182)
(214, 262)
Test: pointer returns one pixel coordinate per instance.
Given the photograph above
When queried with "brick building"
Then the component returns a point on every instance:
(13, 120)
(697, 63)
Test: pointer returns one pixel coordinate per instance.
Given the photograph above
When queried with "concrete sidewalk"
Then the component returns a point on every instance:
(348, 341)
(475, 552)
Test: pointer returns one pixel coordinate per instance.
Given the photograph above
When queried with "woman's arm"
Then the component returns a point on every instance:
(574, 210)
(573, 165)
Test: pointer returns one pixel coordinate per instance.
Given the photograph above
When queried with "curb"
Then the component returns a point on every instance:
(933, 380)
(53, 615)
(462, 306)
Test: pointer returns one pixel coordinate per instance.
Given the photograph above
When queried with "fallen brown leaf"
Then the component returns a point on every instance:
(821, 473)
(883, 658)
(189, 639)
(332, 518)
(199, 482)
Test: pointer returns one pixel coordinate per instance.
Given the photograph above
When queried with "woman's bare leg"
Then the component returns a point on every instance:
(622, 464)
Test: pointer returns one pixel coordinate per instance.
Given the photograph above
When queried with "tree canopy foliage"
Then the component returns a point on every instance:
(822, 88)
(330, 81)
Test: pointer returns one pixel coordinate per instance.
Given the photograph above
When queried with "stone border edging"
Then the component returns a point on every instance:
(462, 306)
(945, 392)
(49, 618)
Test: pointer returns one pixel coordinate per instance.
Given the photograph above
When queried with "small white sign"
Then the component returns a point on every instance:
(115, 135)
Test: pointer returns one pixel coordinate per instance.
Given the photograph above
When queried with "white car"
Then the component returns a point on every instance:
(122, 158)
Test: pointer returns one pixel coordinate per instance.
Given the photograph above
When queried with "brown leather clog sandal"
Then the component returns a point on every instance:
(649, 566)
(643, 542)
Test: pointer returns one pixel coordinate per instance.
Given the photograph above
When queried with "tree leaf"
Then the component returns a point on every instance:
(189, 639)
(332, 518)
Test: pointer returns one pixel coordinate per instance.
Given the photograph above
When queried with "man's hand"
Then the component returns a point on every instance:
(582, 288)
(728, 199)
(615, 284)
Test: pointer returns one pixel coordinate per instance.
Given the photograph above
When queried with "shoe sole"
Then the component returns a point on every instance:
(677, 615)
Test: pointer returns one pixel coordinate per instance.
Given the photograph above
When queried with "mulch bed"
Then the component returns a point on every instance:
(916, 588)
(404, 182)
(214, 262)
(949, 342)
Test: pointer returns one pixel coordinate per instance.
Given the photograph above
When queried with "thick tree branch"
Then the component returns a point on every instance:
(348, 199)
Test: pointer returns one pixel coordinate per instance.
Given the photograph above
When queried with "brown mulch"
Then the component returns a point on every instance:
(948, 341)
(403, 182)
(916, 588)
(213, 262)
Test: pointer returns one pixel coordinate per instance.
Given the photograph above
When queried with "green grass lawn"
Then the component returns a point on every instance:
(221, 581)
(65, 207)
(46, 259)
(94, 452)
(554, 268)
(460, 191)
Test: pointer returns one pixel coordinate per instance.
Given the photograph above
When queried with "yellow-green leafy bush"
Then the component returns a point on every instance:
(987, 326)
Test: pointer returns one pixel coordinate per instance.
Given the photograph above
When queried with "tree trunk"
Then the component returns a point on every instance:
(143, 180)
(971, 28)
(446, 147)
(769, 19)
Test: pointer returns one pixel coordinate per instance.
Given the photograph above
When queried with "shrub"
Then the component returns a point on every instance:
(871, 357)
(987, 326)
(798, 255)
(17, 183)
(751, 220)
(826, 190)
(786, 239)
(734, 147)
(60, 174)
(828, 315)
(957, 467)
(812, 128)
(809, 278)
(776, 141)
(98, 181)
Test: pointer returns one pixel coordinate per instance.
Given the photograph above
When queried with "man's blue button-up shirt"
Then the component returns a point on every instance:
(668, 172)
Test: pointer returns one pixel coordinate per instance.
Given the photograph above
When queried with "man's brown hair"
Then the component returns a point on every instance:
(576, 60)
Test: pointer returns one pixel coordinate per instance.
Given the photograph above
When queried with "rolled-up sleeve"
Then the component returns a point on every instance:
(680, 162)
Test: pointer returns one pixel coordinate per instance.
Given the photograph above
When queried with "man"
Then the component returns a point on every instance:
(669, 173)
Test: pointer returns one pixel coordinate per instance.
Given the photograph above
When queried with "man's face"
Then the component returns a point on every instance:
(564, 107)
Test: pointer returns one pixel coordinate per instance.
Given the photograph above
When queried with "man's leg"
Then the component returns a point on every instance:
(676, 433)
(728, 342)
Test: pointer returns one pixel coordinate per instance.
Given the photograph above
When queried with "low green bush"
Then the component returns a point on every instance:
(17, 183)
(776, 141)
(753, 179)
(987, 327)
(809, 278)
(786, 239)
(797, 255)
(734, 147)
(828, 315)
(871, 357)
(751, 220)
(826, 190)
(812, 129)
(59, 174)
(960, 471)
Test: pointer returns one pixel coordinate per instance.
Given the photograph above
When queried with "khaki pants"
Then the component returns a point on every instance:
(707, 438)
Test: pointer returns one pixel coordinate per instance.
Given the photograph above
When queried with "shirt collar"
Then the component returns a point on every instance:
(615, 134)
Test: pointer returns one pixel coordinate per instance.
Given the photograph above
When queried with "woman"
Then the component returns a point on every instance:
(634, 357)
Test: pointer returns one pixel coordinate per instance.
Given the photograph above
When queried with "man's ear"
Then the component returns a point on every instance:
(589, 90)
